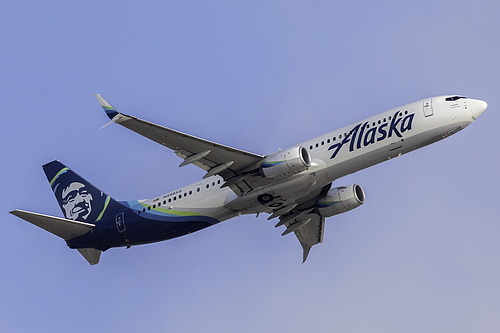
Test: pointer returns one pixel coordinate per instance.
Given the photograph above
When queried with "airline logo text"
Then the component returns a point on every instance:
(362, 135)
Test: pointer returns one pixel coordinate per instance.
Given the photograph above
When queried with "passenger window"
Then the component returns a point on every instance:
(190, 192)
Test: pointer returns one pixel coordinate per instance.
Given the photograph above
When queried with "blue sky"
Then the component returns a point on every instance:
(420, 255)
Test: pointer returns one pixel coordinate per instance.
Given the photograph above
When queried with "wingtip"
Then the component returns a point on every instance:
(111, 112)
(305, 253)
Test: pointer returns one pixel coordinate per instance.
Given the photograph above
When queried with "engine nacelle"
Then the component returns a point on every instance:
(286, 163)
(340, 200)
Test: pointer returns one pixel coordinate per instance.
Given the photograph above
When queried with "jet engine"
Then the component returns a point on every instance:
(286, 163)
(340, 200)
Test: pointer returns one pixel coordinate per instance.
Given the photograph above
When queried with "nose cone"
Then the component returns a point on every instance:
(477, 107)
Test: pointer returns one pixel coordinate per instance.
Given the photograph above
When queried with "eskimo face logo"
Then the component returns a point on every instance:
(359, 136)
(76, 201)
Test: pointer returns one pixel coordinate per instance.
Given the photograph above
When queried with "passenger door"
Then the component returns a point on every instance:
(428, 108)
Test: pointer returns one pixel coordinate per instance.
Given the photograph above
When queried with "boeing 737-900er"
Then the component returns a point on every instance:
(293, 184)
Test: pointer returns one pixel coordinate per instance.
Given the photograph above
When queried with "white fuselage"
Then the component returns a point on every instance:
(334, 155)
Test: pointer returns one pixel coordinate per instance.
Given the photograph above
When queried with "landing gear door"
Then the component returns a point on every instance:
(428, 108)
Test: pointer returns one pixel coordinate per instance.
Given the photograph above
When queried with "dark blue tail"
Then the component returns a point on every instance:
(79, 199)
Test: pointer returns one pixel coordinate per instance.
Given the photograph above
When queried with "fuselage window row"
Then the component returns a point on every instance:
(384, 120)
(198, 189)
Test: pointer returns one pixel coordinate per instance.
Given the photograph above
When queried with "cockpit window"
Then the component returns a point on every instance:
(454, 98)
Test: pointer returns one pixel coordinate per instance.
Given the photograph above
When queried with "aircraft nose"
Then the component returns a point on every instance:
(477, 107)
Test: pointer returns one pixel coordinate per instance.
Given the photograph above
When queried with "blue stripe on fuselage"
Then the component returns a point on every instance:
(140, 229)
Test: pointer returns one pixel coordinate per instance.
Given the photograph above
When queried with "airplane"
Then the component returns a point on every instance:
(293, 184)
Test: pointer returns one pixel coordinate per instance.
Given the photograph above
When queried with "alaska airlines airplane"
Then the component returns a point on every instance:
(293, 184)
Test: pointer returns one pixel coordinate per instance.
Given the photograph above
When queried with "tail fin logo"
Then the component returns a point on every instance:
(76, 201)
(79, 200)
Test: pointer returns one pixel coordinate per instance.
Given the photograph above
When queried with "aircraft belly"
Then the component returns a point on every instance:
(283, 193)
(160, 231)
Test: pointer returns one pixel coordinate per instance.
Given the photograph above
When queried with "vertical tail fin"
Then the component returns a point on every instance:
(79, 200)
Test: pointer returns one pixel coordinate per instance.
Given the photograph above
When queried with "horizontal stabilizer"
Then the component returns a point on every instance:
(64, 228)
(92, 255)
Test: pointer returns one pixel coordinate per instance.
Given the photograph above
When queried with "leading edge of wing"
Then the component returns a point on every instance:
(185, 145)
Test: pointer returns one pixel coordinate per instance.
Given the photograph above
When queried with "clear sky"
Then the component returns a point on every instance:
(420, 256)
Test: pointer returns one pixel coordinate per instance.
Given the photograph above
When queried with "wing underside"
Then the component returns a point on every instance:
(307, 227)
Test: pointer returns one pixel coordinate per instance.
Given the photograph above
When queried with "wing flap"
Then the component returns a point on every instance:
(64, 228)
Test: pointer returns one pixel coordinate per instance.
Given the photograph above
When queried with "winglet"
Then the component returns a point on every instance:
(108, 108)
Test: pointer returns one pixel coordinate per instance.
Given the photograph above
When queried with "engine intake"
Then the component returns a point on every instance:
(340, 200)
(286, 163)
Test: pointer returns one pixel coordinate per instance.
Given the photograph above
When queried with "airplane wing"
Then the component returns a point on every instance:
(230, 163)
(311, 234)
(308, 228)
